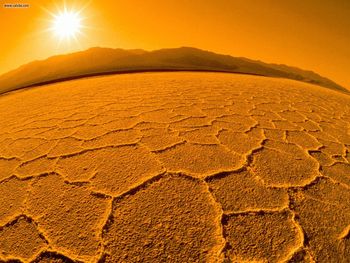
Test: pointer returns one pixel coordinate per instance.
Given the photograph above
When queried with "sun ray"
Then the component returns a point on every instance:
(66, 24)
(66, 21)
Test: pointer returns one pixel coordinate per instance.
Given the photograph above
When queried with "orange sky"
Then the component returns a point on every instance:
(310, 34)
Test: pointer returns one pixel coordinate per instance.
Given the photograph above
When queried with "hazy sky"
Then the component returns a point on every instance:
(310, 34)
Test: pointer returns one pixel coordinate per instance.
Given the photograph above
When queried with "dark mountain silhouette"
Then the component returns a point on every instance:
(99, 61)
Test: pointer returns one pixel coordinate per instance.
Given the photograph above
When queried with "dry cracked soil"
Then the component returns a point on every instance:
(175, 167)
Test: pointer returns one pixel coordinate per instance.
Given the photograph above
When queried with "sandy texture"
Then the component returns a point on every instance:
(175, 167)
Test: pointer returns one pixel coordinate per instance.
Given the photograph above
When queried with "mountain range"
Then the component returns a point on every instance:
(101, 61)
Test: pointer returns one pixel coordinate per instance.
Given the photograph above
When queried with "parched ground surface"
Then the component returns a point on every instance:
(175, 167)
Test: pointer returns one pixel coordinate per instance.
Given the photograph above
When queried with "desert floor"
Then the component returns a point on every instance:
(175, 167)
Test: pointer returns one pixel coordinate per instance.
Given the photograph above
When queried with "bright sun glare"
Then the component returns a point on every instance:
(66, 24)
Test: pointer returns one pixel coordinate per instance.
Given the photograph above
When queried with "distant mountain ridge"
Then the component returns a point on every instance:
(99, 61)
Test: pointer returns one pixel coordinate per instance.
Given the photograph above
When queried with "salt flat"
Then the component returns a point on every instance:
(177, 167)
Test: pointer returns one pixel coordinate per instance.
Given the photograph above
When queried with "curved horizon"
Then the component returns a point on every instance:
(312, 35)
(103, 61)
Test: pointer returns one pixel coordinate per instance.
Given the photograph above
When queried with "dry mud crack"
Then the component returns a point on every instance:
(175, 167)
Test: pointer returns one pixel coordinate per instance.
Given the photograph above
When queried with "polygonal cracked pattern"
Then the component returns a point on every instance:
(111, 170)
(242, 191)
(339, 172)
(284, 165)
(266, 237)
(70, 216)
(180, 167)
(324, 214)
(13, 192)
(199, 160)
(20, 238)
(164, 223)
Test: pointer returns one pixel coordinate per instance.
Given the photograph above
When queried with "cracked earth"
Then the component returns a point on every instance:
(175, 167)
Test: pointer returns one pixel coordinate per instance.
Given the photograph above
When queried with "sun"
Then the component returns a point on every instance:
(66, 24)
